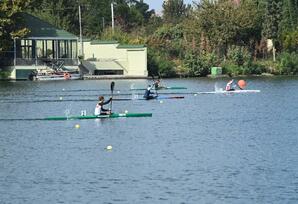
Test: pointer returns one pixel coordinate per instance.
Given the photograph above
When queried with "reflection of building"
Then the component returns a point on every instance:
(48, 47)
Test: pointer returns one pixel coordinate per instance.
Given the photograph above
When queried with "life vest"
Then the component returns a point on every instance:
(97, 109)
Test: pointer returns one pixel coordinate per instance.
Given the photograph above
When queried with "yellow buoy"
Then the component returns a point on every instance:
(77, 126)
(109, 147)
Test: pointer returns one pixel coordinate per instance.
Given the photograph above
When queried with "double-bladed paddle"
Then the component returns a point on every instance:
(112, 90)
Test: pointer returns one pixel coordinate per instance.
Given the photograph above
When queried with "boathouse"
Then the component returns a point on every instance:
(49, 47)
(44, 46)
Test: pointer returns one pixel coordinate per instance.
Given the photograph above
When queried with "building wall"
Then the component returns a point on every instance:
(133, 60)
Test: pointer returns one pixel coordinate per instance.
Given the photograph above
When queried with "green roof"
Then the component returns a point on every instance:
(130, 46)
(95, 42)
(41, 29)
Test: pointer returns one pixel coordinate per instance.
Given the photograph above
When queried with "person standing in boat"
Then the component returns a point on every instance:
(148, 94)
(99, 109)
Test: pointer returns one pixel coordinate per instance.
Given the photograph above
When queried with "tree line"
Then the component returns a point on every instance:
(242, 36)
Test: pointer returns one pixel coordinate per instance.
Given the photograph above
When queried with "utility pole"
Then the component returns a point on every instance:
(81, 38)
(112, 10)
(14, 51)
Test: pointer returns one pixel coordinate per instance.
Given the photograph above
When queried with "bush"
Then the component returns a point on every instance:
(288, 63)
(4, 74)
(159, 64)
(238, 55)
(199, 64)
(231, 69)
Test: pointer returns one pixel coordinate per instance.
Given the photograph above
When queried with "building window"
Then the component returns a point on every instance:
(26, 49)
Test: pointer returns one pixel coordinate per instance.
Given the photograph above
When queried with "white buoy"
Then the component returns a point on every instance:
(161, 102)
(195, 94)
(77, 126)
(61, 98)
(118, 92)
(109, 147)
(126, 111)
(63, 89)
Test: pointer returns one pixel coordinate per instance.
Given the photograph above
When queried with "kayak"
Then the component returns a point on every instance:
(161, 88)
(156, 98)
(229, 92)
(113, 115)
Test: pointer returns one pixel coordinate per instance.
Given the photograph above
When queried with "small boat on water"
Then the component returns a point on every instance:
(113, 115)
(51, 75)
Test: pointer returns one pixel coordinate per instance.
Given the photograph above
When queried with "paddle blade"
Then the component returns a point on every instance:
(112, 86)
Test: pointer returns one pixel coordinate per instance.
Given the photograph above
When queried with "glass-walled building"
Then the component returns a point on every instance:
(37, 51)
(45, 44)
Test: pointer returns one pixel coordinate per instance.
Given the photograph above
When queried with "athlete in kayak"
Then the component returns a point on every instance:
(232, 85)
(148, 94)
(99, 110)
(156, 84)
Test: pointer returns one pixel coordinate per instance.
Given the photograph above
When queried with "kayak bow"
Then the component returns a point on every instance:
(113, 115)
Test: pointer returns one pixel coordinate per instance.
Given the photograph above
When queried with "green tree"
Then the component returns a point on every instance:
(224, 23)
(174, 10)
(10, 22)
(272, 18)
(289, 20)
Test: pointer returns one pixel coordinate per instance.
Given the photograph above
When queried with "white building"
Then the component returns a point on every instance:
(112, 58)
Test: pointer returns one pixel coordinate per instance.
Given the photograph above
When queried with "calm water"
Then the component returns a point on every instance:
(201, 149)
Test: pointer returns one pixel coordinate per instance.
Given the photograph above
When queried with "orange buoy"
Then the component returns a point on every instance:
(242, 84)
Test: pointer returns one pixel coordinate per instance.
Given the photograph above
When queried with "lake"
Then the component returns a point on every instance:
(209, 148)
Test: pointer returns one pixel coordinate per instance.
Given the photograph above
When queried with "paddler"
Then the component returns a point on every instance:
(99, 110)
(232, 85)
(148, 94)
(156, 84)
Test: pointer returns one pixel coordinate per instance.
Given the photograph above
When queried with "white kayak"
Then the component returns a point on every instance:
(229, 92)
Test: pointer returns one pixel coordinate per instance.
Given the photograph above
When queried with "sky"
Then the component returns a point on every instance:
(157, 4)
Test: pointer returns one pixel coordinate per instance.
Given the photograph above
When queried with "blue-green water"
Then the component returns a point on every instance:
(240, 148)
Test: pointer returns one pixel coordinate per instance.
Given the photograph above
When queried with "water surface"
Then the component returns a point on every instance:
(202, 149)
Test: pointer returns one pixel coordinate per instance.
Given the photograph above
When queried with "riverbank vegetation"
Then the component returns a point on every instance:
(242, 36)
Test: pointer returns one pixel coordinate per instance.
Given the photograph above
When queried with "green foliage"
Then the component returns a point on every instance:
(288, 63)
(160, 64)
(200, 65)
(290, 41)
(4, 74)
(272, 18)
(9, 28)
(225, 23)
(174, 11)
(239, 55)
(169, 39)
(289, 15)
